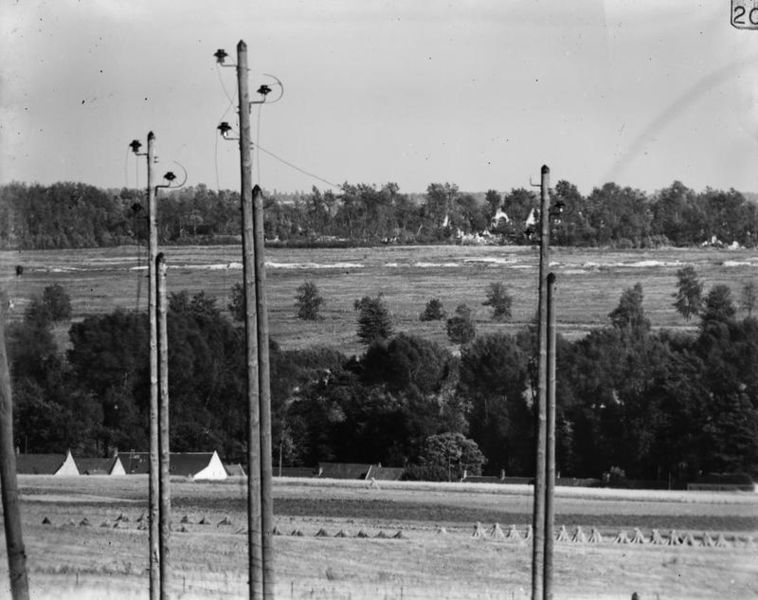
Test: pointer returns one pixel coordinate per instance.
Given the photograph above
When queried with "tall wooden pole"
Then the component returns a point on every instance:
(163, 431)
(255, 551)
(538, 516)
(550, 459)
(267, 507)
(154, 484)
(14, 541)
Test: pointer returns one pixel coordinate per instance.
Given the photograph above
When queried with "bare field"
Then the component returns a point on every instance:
(590, 282)
(106, 556)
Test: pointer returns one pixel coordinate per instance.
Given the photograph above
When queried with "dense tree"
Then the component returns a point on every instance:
(407, 363)
(66, 215)
(718, 306)
(453, 453)
(460, 327)
(749, 297)
(374, 323)
(308, 301)
(630, 314)
(236, 305)
(493, 378)
(688, 299)
(433, 311)
(500, 301)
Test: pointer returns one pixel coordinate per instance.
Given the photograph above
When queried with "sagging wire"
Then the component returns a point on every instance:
(294, 166)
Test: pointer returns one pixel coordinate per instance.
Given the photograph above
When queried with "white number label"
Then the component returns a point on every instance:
(745, 14)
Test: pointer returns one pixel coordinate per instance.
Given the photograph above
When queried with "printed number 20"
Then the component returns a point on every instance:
(738, 16)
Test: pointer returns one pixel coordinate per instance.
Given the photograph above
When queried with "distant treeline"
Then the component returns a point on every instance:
(631, 402)
(76, 215)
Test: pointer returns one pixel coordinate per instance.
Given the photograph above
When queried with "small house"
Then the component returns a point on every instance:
(61, 465)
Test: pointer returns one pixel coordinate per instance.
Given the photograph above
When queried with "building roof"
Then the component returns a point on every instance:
(235, 469)
(95, 466)
(295, 472)
(343, 470)
(185, 464)
(380, 473)
(39, 464)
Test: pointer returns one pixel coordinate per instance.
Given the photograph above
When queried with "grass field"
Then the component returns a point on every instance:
(106, 556)
(590, 282)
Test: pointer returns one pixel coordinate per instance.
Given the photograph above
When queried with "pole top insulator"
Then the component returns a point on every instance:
(241, 45)
(150, 135)
(257, 189)
(545, 169)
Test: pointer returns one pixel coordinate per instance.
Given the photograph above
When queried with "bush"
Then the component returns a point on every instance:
(500, 301)
(308, 301)
(433, 311)
(460, 327)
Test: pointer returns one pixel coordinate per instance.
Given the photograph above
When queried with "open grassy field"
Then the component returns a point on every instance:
(434, 555)
(590, 282)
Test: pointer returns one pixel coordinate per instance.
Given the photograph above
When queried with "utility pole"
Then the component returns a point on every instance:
(550, 459)
(538, 516)
(154, 484)
(163, 431)
(254, 510)
(264, 379)
(14, 541)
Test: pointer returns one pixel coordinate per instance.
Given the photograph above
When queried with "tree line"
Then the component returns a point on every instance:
(632, 402)
(76, 215)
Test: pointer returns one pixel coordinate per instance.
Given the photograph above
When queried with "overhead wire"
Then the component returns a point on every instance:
(299, 169)
(256, 147)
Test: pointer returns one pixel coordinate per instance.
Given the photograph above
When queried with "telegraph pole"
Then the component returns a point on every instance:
(550, 459)
(538, 516)
(264, 379)
(14, 541)
(254, 510)
(163, 430)
(154, 485)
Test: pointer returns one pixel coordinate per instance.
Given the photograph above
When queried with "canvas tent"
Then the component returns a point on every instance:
(46, 464)
(100, 466)
(198, 466)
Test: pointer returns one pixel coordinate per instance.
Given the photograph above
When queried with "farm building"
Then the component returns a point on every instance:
(358, 471)
(295, 472)
(46, 464)
(100, 466)
(193, 465)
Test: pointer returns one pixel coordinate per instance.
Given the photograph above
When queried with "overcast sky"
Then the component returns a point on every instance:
(480, 94)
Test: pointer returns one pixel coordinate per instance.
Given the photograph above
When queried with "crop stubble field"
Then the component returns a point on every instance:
(106, 557)
(590, 282)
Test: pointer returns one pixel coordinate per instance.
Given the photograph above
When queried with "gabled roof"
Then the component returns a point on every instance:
(343, 470)
(295, 472)
(135, 463)
(235, 469)
(95, 466)
(39, 464)
(380, 473)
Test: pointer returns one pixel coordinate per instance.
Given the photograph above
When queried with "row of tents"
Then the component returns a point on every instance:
(197, 466)
(193, 465)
